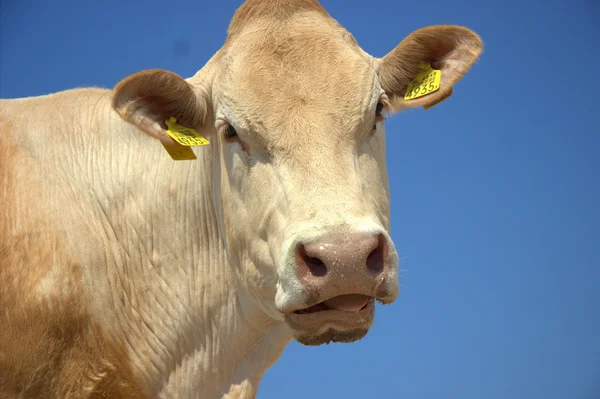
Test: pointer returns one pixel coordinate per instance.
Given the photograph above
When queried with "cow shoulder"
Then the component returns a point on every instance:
(49, 342)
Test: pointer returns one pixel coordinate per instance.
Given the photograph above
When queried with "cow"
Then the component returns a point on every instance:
(169, 237)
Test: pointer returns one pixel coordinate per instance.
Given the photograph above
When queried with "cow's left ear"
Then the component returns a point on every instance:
(146, 99)
(447, 48)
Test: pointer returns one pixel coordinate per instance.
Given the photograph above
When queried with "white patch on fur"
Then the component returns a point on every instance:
(52, 286)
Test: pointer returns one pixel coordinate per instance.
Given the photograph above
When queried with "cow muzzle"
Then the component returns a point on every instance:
(330, 284)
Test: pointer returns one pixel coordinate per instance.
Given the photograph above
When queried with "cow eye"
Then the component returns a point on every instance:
(379, 109)
(230, 132)
(378, 116)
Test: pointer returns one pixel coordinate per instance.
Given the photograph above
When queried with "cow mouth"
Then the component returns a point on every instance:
(344, 318)
(351, 303)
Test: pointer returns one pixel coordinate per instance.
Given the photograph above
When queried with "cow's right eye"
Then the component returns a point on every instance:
(230, 133)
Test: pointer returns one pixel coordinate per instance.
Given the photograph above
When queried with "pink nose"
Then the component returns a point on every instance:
(344, 262)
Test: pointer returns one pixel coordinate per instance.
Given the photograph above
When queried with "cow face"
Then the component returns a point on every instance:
(294, 110)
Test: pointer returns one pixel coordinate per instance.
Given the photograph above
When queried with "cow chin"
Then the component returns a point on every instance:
(328, 326)
(330, 335)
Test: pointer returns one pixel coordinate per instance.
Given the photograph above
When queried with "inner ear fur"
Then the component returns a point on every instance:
(148, 98)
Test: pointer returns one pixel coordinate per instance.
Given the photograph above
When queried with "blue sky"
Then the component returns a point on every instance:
(495, 192)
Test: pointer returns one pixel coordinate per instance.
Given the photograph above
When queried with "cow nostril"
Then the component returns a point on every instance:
(375, 258)
(315, 265)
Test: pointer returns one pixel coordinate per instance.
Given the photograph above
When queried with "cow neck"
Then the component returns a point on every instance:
(187, 323)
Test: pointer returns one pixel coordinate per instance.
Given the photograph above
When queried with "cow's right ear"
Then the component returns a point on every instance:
(146, 99)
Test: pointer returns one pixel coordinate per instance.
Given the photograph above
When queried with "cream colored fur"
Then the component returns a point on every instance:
(126, 274)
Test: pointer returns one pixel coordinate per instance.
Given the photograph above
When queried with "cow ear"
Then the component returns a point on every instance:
(447, 48)
(146, 99)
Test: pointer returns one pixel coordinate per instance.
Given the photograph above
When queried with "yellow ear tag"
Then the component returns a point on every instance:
(426, 82)
(179, 152)
(184, 135)
(184, 138)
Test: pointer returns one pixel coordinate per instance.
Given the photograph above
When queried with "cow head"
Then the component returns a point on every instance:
(294, 110)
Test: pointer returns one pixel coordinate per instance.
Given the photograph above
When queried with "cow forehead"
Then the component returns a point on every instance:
(309, 71)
